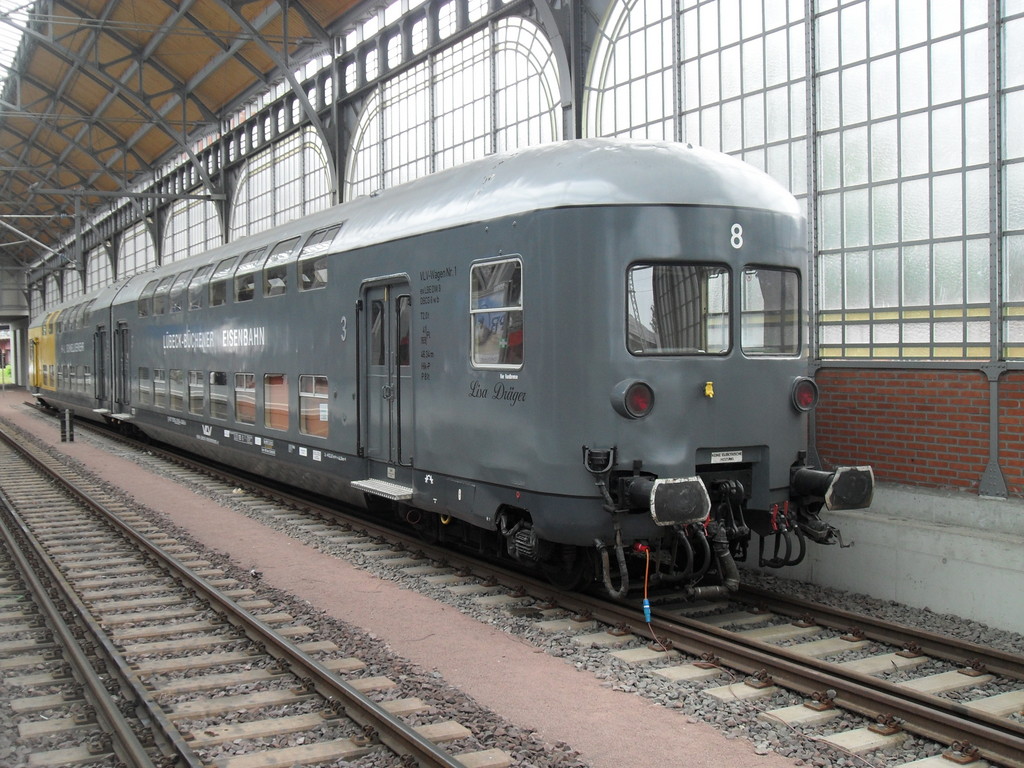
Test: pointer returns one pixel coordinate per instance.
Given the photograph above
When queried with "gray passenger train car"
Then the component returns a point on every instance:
(576, 356)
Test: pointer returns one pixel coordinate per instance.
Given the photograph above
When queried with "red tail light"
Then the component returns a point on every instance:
(632, 399)
(805, 394)
(639, 400)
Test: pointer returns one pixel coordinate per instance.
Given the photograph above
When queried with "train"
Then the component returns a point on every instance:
(587, 358)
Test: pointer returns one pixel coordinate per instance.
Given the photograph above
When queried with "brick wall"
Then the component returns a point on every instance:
(920, 427)
(1011, 432)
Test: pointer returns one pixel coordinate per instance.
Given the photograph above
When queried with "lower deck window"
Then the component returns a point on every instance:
(160, 388)
(275, 401)
(218, 395)
(145, 387)
(245, 398)
(313, 413)
(196, 395)
(177, 379)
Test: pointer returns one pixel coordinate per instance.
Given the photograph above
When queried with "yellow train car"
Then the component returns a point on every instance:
(42, 365)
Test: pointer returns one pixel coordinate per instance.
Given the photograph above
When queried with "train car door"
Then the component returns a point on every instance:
(386, 387)
(121, 371)
(99, 365)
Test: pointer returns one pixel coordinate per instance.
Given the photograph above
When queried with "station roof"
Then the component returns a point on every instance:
(101, 94)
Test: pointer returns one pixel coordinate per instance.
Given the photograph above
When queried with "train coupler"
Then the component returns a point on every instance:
(843, 488)
(671, 501)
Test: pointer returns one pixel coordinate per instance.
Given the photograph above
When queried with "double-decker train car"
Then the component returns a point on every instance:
(580, 356)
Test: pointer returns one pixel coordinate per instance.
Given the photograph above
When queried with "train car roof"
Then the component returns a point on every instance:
(582, 172)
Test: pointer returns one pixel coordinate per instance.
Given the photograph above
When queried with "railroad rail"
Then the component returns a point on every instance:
(972, 731)
(137, 594)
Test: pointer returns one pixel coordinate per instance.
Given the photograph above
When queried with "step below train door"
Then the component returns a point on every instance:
(386, 395)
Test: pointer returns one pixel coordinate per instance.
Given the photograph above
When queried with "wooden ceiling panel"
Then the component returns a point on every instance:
(108, 90)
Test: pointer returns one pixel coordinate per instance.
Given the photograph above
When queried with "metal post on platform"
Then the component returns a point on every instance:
(67, 426)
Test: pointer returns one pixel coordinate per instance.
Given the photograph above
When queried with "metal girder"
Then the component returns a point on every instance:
(58, 138)
(282, 63)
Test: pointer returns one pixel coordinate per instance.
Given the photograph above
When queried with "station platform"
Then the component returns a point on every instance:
(949, 552)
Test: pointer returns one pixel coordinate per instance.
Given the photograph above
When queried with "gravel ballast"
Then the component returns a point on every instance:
(585, 706)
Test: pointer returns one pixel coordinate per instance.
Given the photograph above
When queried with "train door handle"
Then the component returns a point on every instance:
(387, 392)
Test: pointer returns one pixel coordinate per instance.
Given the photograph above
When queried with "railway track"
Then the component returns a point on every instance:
(831, 662)
(149, 631)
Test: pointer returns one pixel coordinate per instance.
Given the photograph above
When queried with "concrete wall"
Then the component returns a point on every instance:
(946, 551)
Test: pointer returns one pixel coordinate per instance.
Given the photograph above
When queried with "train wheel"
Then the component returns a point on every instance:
(571, 568)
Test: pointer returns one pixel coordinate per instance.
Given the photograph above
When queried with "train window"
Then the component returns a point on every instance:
(178, 290)
(197, 285)
(313, 273)
(196, 395)
(677, 309)
(275, 401)
(145, 303)
(496, 313)
(159, 388)
(177, 380)
(219, 282)
(770, 311)
(313, 405)
(404, 307)
(245, 398)
(83, 318)
(245, 275)
(161, 296)
(377, 332)
(275, 270)
(145, 387)
(218, 395)
(313, 258)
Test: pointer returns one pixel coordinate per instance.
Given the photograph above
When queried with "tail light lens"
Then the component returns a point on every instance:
(639, 400)
(633, 399)
(805, 394)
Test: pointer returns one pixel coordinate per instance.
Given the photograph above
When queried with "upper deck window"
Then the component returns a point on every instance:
(275, 270)
(245, 275)
(178, 289)
(145, 303)
(197, 285)
(313, 258)
(677, 309)
(496, 313)
(161, 297)
(219, 282)
(770, 314)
